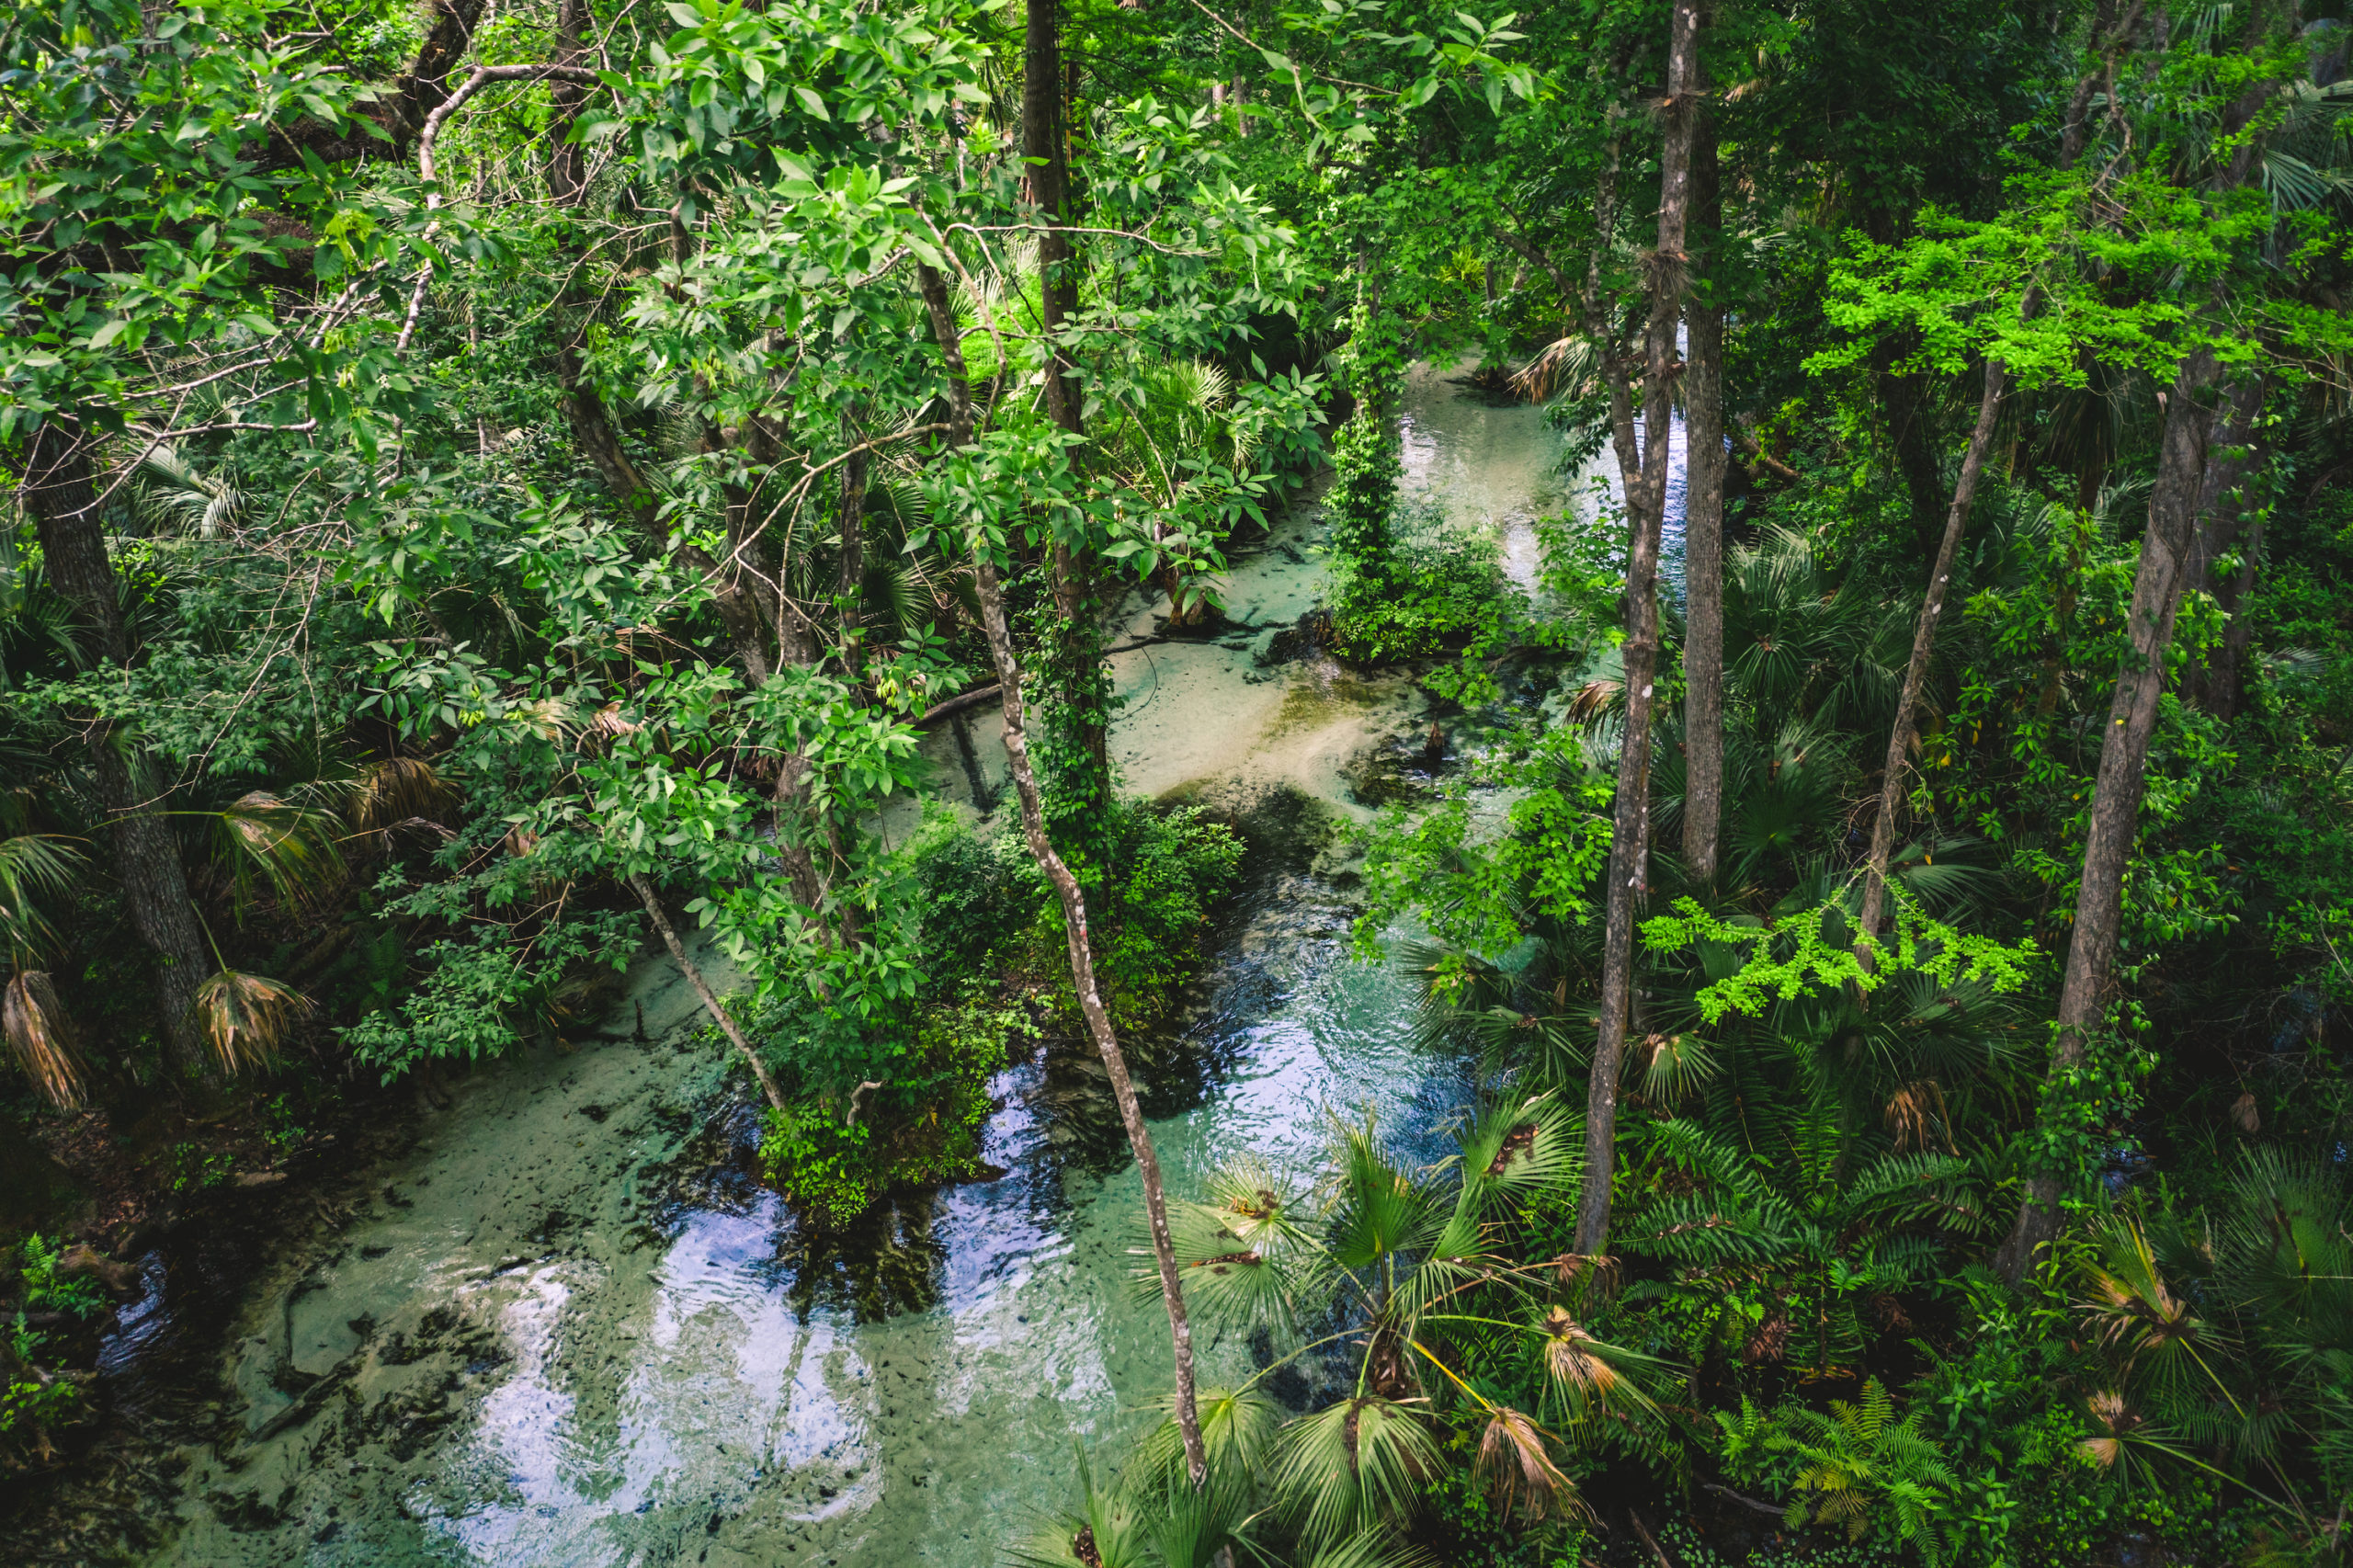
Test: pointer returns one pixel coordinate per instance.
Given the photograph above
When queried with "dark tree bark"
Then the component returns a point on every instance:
(400, 112)
(2221, 517)
(1644, 477)
(1703, 534)
(1905, 402)
(2158, 587)
(568, 161)
(58, 489)
(1067, 892)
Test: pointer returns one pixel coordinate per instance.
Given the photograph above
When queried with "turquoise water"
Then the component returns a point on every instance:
(565, 1329)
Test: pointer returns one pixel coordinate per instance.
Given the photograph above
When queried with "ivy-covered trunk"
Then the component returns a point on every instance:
(59, 491)
(2076, 1090)
(1076, 701)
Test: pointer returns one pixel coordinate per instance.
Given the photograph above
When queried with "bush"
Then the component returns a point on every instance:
(988, 914)
(1439, 587)
(923, 1127)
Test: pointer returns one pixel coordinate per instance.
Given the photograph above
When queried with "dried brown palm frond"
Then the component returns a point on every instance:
(2113, 1424)
(248, 1018)
(1518, 1469)
(1916, 1116)
(1595, 699)
(1595, 1273)
(41, 1037)
(605, 726)
(396, 790)
(1573, 1357)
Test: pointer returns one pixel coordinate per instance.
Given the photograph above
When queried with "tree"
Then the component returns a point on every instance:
(1643, 471)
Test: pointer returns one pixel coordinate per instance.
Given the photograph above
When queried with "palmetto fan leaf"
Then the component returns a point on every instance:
(1353, 1467)
(172, 495)
(33, 867)
(1239, 1428)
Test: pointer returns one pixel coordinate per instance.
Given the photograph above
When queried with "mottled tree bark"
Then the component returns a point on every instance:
(1645, 485)
(1703, 535)
(2221, 517)
(59, 491)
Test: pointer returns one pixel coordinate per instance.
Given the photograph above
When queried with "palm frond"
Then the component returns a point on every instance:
(248, 1018)
(1353, 1467)
(42, 1038)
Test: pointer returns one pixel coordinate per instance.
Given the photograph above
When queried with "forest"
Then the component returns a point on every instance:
(1176, 783)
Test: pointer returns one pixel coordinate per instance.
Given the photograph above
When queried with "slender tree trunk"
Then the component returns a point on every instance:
(710, 1002)
(2222, 513)
(1645, 485)
(851, 581)
(1915, 671)
(2158, 587)
(1067, 892)
(1703, 535)
(59, 491)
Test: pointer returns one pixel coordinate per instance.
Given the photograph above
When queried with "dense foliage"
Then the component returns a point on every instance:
(500, 494)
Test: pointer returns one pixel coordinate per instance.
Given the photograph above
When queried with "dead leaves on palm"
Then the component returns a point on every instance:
(1516, 1462)
(248, 1018)
(41, 1036)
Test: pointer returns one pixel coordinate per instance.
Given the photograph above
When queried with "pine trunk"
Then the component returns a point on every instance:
(1703, 538)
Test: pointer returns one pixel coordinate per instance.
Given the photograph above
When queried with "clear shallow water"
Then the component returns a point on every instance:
(563, 1328)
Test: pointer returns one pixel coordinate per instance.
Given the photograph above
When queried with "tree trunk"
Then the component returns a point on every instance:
(1645, 487)
(568, 161)
(710, 1002)
(1077, 682)
(1703, 536)
(1915, 671)
(58, 489)
(1067, 890)
(852, 579)
(2222, 512)
(2158, 587)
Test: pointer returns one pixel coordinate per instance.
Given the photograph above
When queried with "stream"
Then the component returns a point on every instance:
(558, 1324)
